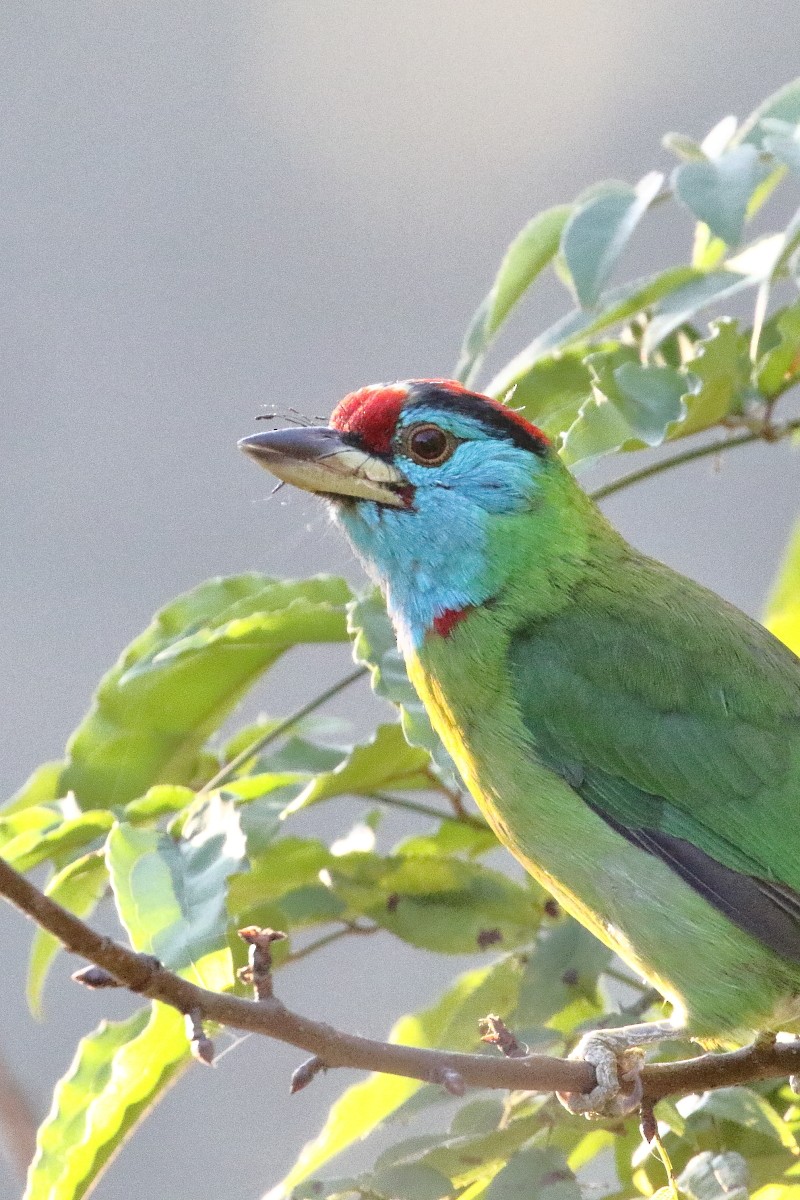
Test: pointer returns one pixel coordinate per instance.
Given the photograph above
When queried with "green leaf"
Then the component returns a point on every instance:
(618, 304)
(23, 827)
(118, 1073)
(375, 647)
(563, 967)
(718, 379)
(683, 304)
(710, 1176)
(527, 256)
(386, 763)
(412, 1181)
(78, 887)
(170, 894)
(538, 1171)
(451, 1022)
(599, 229)
(718, 191)
(179, 680)
(786, 148)
(744, 1107)
(452, 837)
(782, 615)
(684, 147)
(552, 391)
(158, 801)
(41, 787)
(783, 105)
(284, 879)
(445, 905)
(779, 368)
(33, 847)
(649, 397)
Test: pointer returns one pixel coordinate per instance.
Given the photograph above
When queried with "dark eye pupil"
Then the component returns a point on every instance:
(429, 443)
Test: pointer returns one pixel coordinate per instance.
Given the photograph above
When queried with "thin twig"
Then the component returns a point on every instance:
(327, 940)
(144, 975)
(265, 739)
(678, 460)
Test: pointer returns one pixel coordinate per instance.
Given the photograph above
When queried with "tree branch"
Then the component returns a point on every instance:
(17, 1122)
(144, 975)
(686, 456)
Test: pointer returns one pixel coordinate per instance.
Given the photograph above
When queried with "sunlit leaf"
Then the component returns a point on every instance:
(170, 894)
(526, 257)
(159, 800)
(386, 763)
(780, 366)
(32, 847)
(178, 681)
(598, 230)
(118, 1073)
(452, 837)
(686, 302)
(783, 607)
(551, 393)
(41, 787)
(451, 1022)
(718, 379)
(617, 305)
(78, 887)
(375, 646)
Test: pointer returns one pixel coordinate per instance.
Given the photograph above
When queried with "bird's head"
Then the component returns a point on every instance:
(429, 481)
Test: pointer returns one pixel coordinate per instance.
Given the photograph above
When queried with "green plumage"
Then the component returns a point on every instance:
(633, 739)
(601, 699)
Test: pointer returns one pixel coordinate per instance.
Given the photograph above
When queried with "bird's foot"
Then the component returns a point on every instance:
(617, 1056)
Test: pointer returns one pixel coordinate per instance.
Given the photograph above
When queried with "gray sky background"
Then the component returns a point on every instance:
(207, 208)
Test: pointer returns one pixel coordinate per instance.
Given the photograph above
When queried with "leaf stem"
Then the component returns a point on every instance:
(426, 810)
(259, 743)
(677, 460)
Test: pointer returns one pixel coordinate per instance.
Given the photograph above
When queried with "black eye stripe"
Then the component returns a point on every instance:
(493, 420)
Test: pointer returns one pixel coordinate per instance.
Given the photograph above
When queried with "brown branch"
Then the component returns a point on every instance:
(144, 975)
(17, 1123)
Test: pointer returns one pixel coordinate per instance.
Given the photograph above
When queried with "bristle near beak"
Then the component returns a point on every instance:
(320, 460)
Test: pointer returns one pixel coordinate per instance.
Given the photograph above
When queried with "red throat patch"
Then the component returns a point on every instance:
(371, 413)
(446, 622)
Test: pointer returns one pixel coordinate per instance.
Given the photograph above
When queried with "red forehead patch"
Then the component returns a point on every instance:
(372, 413)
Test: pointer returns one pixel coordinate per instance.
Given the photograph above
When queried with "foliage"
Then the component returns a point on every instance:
(195, 839)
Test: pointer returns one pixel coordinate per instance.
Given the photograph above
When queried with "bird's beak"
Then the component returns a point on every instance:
(319, 460)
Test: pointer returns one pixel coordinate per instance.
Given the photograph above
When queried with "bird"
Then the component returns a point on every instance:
(631, 737)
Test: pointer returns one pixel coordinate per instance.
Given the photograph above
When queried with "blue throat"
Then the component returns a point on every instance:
(436, 557)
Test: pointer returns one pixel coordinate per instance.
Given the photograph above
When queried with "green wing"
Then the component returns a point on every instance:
(677, 719)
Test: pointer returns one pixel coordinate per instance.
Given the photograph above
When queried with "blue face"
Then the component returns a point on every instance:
(435, 556)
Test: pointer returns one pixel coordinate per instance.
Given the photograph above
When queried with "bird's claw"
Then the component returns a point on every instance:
(618, 1068)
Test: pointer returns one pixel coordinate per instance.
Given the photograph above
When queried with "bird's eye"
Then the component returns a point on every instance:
(428, 445)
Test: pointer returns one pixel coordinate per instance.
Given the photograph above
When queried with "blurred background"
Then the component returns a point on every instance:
(212, 208)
